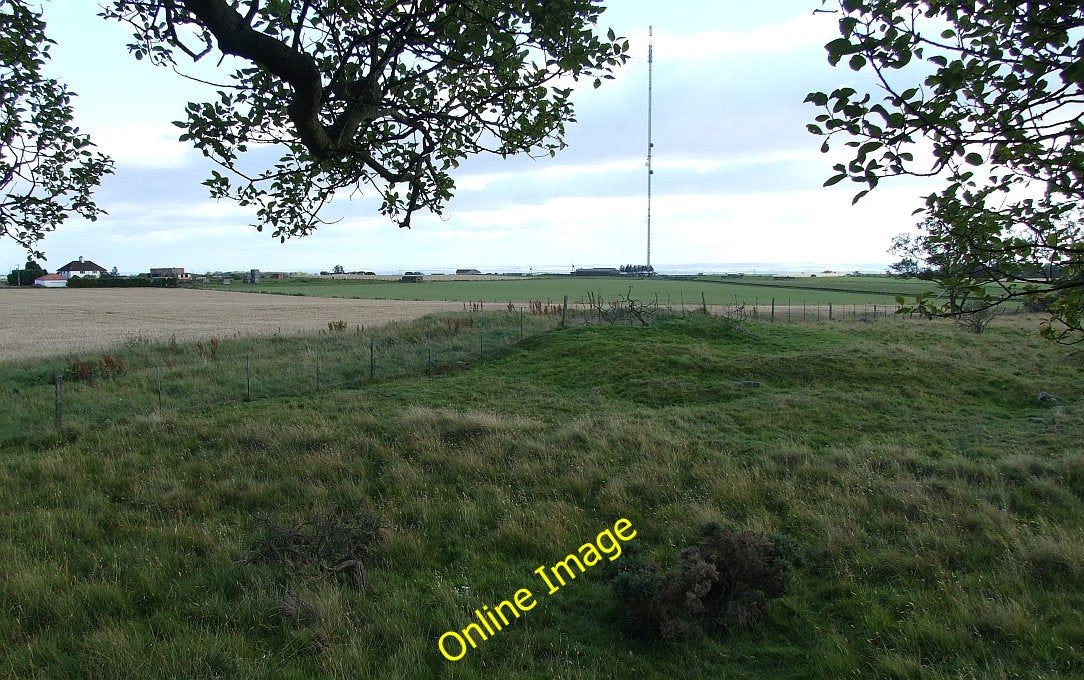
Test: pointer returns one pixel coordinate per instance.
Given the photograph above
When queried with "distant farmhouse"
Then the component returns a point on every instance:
(51, 281)
(467, 272)
(81, 268)
(170, 273)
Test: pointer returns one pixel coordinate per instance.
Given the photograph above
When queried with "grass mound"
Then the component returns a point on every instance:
(937, 508)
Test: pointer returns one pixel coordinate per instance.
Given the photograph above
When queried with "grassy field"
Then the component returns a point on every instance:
(139, 377)
(690, 291)
(935, 509)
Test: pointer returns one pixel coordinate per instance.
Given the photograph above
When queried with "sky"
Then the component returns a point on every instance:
(737, 179)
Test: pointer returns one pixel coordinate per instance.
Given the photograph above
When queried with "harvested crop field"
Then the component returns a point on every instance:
(44, 322)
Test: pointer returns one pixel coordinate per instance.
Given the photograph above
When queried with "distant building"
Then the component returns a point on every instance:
(170, 273)
(81, 267)
(467, 272)
(597, 271)
(51, 281)
(412, 277)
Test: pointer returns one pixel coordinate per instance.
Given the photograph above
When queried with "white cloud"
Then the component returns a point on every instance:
(143, 146)
(567, 172)
(798, 33)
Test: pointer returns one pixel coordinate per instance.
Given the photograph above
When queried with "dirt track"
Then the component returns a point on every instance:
(41, 322)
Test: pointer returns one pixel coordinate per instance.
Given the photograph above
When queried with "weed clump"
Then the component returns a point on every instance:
(106, 366)
(210, 350)
(722, 583)
(976, 317)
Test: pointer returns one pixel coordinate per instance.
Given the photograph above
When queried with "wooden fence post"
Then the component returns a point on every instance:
(829, 310)
(703, 303)
(773, 310)
(58, 421)
(564, 311)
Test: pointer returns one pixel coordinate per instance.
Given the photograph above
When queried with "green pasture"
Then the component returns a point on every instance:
(864, 285)
(932, 507)
(673, 291)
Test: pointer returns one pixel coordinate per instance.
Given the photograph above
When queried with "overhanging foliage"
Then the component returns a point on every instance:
(996, 111)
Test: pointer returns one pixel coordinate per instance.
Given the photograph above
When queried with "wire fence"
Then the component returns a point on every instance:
(143, 378)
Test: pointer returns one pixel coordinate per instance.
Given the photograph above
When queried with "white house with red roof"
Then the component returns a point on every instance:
(51, 281)
(81, 267)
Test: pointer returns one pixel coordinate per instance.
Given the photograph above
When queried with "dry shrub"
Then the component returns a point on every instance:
(722, 583)
(976, 318)
(328, 544)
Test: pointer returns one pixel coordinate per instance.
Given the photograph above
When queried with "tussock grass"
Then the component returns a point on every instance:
(936, 508)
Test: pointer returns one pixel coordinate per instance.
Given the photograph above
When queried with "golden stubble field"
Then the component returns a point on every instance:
(43, 322)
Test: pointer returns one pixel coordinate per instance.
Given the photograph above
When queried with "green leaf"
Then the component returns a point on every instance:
(837, 49)
(973, 158)
(836, 179)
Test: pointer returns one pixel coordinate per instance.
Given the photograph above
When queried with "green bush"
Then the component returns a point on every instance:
(24, 277)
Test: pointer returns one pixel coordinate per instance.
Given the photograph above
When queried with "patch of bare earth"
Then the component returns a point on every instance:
(45, 322)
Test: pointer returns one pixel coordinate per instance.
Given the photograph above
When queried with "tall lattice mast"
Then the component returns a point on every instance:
(650, 145)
